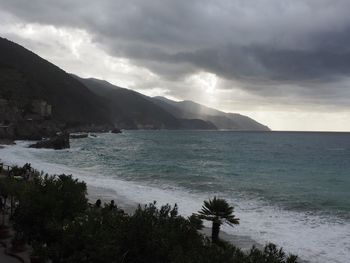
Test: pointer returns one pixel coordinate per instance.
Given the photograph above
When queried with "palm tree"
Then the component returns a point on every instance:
(219, 212)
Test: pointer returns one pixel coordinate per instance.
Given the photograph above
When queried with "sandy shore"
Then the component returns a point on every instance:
(106, 195)
(94, 193)
(4, 142)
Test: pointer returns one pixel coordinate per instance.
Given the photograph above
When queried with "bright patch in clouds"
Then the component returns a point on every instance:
(205, 80)
(76, 51)
(205, 85)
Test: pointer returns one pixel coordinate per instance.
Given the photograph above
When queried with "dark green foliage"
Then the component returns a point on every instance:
(161, 234)
(4, 193)
(196, 222)
(46, 204)
(90, 237)
(10, 188)
(53, 214)
(151, 234)
(270, 254)
(219, 212)
(18, 171)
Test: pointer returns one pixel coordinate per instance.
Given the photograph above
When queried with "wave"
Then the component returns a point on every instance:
(313, 237)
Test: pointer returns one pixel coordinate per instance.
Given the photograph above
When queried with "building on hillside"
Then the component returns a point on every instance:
(8, 111)
(42, 108)
(3, 103)
(6, 131)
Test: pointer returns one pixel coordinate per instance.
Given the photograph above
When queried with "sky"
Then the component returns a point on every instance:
(284, 63)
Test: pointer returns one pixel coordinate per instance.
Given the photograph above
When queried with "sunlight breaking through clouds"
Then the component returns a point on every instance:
(278, 67)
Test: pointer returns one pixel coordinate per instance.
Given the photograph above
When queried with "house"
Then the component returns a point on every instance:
(41, 108)
(6, 131)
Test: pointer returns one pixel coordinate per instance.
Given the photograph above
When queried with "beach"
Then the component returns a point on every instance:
(261, 222)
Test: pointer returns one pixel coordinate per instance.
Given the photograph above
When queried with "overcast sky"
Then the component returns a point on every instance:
(285, 63)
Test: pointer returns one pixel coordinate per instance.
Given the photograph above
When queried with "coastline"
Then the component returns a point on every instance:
(243, 242)
(94, 193)
(102, 191)
(4, 142)
(106, 195)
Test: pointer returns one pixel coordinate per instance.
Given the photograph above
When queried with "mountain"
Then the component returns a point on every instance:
(27, 81)
(25, 77)
(132, 110)
(222, 120)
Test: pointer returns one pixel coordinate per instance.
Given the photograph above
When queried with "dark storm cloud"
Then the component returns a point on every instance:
(277, 41)
(259, 63)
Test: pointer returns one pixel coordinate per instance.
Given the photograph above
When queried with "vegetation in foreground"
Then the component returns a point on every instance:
(219, 212)
(52, 214)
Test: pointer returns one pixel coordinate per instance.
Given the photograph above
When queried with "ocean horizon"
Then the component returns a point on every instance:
(289, 188)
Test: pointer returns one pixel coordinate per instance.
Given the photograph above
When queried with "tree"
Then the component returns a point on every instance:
(219, 212)
(4, 193)
(46, 203)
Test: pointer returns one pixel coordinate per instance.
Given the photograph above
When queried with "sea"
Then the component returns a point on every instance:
(289, 188)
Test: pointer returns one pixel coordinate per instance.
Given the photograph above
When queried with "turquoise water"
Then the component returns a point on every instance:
(289, 188)
(301, 171)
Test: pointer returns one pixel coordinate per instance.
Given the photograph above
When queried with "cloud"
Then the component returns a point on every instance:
(303, 39)
(263, 53)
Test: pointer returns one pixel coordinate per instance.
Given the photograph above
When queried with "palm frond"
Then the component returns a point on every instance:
(219, 210)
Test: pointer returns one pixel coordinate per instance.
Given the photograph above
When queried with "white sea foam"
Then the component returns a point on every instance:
(313, 238)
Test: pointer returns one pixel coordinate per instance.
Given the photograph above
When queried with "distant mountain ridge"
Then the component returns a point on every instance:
(222, 120)
(76, 102)
(133, 110)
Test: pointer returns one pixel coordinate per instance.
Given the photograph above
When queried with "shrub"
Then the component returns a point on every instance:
(46, 203)
(53, 214)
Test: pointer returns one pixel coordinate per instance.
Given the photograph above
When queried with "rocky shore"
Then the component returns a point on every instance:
(49, 133)
(57, 142)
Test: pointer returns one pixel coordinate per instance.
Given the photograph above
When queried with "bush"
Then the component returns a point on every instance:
(151, 234)
(46, 203)
(53, 212)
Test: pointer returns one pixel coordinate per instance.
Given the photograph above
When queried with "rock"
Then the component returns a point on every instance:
(78, 135)
(35, 130)
(57, 142)
(7, 142)
(116, 130)
(88, 128)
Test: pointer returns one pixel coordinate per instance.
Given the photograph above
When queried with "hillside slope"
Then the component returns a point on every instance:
(222, 120)
(24, 76)
(134, 110)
